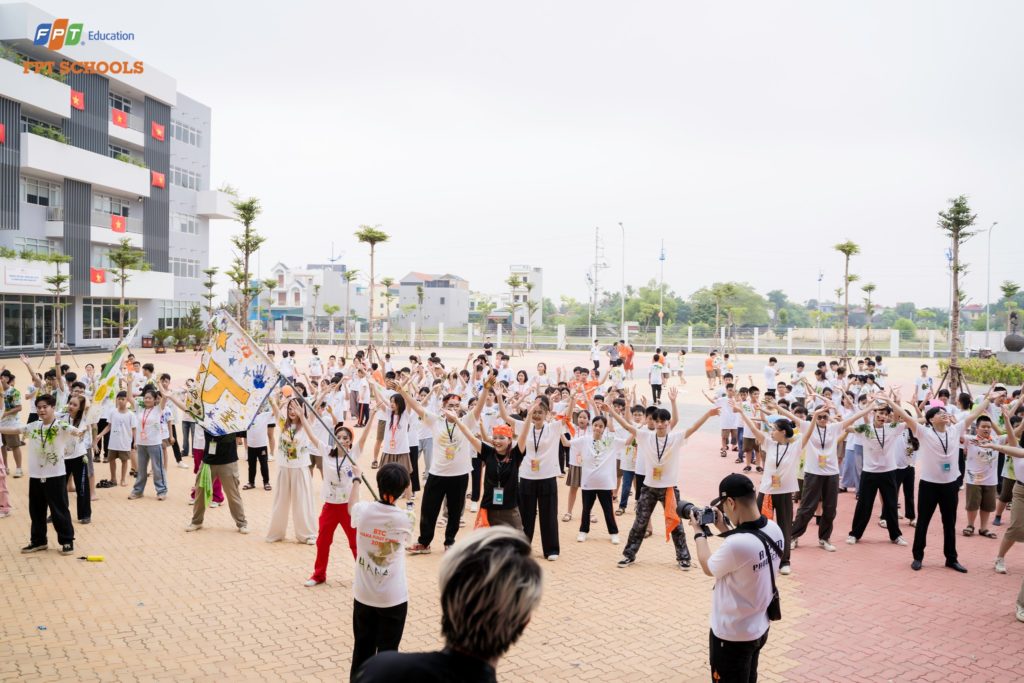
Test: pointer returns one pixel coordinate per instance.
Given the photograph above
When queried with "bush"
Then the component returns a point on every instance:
(907, 328)
(988, 370)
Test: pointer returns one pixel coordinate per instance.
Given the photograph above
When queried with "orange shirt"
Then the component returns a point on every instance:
(709, 364)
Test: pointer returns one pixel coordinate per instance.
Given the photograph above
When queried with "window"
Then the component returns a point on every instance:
(40, 192)
(280, 279)
(185, 178)
(101, 257)
(442, 301)
(282, 298)
(172, 313)
(297, 297)
(186, 134)
(120, 102)
(184, 267)
(98, 316)
(183, 222)
(28, 122)
(114, 150)
(40, 246)
(111, 205)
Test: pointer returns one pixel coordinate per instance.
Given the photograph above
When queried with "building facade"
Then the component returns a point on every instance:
(303, 293)
(532, 290)
(445, 300)
(86, 161)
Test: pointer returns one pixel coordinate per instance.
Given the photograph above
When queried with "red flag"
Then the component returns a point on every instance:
(156, 130)
(671, 516)
(158, 179)
(3, 134)
(78, 100)
(117, 223)
(97, 275)
(119, 118)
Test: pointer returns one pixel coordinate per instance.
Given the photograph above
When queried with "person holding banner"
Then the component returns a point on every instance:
(220, 454)
(294, 488)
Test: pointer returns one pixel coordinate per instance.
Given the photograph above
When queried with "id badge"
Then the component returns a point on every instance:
(534, 465)
(822, 461)
(449, 452)
(213, 448)
(656, 473)
(498, 498)
(393, 444)
(776, 481)
(945, 467)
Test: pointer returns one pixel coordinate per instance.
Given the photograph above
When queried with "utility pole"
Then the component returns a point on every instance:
(821, 274)
(593, 278)
(661, 286)
(622, 290)
(988, 285)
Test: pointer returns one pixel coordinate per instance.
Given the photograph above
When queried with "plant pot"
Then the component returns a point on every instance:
(161, 349)
(1014, 342)
(179, 347)
(147, 342)
(197, 347)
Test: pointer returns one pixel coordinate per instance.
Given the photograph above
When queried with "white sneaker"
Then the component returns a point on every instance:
(17, 473)
(883, 524)
(900, 541)
(5, 513)
(243, 529)
(311, 541)
(1020, 613)
(551, 558)
(309, 583)
(580, 537)
(214, 504)
(794, 544)
(852, 540)
(825, 545)
(182, 466)
(193, 527)
(615, 539)
(270, 458)
(785, 570)
(1000, 566)
(474, 507)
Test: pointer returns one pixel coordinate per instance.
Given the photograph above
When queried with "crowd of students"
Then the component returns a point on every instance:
(502, 438)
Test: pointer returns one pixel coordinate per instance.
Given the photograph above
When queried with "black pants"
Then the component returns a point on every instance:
(258, 455)
(540, 497)
(735, 662)
(414, 460)
(364, 414)
(474, 484)
(187, 430)
(563, 455)
(100, 426)
(656, 393)
(50, 493)
(175, 446)
(605, 497)
(376, 629)
(871, 483)
(946, 497)
(78, 472)
(817, 489)
(436, 490)
(905, 480)
(646, 502)
(597, 364)
(962, 462)
(782, 504)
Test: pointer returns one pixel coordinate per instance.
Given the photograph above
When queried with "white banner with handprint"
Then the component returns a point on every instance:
(234, 378)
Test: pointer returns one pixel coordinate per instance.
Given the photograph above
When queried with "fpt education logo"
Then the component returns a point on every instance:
(61, 32)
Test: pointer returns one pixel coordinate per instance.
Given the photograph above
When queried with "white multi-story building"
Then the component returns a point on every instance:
(89, 159)
(299, 290)
(445, 299)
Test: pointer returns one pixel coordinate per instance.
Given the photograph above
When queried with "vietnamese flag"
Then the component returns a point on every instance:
(97, 276)
(158, 179)
(3, 134)
(78, 100)
(156, 130)
(119, 118)
(117, 223)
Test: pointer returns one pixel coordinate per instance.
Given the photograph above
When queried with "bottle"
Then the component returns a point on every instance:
(92, 558)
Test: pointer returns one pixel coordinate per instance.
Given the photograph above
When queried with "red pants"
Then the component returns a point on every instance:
(332, 515)
(197, 462)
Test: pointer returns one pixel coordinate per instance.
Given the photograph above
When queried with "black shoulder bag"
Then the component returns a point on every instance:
(775, 606)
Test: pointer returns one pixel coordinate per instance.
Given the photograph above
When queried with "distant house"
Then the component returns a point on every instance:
(445, 300)
(972, 312)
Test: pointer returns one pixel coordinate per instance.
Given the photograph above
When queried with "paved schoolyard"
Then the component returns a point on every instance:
(170, 605)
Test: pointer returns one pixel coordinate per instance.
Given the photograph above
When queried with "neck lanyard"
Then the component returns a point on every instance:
(779, 458)
(451, 431)
(338, 454)
(822, 433)
(145, 416)
(660, 450)
(536, 438)
(944, 444)
(502, 465)
(881, 442)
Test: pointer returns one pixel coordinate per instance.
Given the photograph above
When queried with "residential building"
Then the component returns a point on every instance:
(445, 300)
(87, 160)
(298, 290)
(532, 290)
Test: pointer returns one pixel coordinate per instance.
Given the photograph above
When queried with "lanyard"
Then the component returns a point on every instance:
(944, 444)
(822, 433)
(881, 442)
(145, 416)
(503, 466)
(660, 450)
(779, 458)
(451, 432)
(536, 439)
(339, 453)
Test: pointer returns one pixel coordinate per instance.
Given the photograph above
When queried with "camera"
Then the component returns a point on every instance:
(705, 516)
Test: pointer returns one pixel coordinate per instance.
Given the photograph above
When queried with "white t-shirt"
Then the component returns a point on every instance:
(382, 532)
(771, 375)
(540, 460)
(453, 453)
(595, 352)
(667, 466)
(338, 476)
(293, 447)
(922, 385)
(880, 447)
(822, 458)
(799, 390)
(728, 418)
(627, 461)
(743, 584)
(396, 432)
(316, 367)
(149, 426)
(654, 374)
(781, 461)
(256, 436)
(939, 454)
(980, 469)
(597, 458)
(46, 447)
(121, 426)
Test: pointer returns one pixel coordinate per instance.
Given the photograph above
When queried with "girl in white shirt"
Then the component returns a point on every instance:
(397, 418)
(294, 490)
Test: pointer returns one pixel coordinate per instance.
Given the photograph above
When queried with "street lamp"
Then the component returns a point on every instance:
(622, 293)
(988, 284)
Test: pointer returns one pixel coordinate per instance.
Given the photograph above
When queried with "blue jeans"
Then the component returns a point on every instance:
(147, 454)
(739, 437)
(853, 465)
(627, 484)
(427, 451)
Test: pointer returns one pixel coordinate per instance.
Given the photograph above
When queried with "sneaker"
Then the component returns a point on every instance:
(1000, 565)
(899, 540)
(192, 501)
(580, 537)
(214, 504)
(1020, 613)
(474, 507)
(134, 496)
(311, 540)
(997, 521)
(825, 545)
(193, 527)
(182, 466)
(624, 562)
(684, 565)
(794, 544)
(462, 523)
(409, 505)
(87, 520)
(18, 473)
(309, 583)
(243, 529)
(852, 540)
(418, 549)
(161, 496)
(913, 522)
(33, 548)
(442, 521)
(883, 524)
(615, 539)
(5, 513)
(551, 558)
(67, 549)
(785, 570)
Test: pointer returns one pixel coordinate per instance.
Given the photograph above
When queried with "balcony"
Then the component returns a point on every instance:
(56, 160)
(142, 284)
(34, 90)
(133, 134)
(102, 219)
(214, 204)
(100, 230)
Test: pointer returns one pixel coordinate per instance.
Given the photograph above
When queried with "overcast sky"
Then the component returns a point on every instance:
(750, 136)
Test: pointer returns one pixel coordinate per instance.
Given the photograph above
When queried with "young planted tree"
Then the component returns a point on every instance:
(848, 249)
(531, 306)
(388, 283)
(1009, 290)
(722, 293)
(869, 309)
(331, 310)
(209, 284)
(514, 283)
(58, 287)
(316, 297)
(420, 295)
(126, 259)
(247, 242)
(956, 222)
(349, 276)
(372, 235)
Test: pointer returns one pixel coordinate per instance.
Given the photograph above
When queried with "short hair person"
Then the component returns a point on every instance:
(490, 586)
(743, 580)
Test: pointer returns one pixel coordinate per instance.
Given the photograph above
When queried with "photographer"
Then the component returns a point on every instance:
(743, 589)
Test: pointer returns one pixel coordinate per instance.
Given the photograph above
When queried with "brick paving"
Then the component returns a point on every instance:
(171, 605)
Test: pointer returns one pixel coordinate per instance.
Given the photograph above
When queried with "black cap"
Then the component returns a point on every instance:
(734, 486)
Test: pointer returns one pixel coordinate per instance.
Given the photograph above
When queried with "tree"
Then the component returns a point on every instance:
(483, 311)
(906, 327)
(869, 308)
(722, 293)
(388, 283)
(848, 249)
(514, 283)
(331, 310)
(420, 296)
(210, 283)
(372, 235)
(906, 310)
(316, 297)
(125, 258)
(531, 306)
(246, 213)
(349, 276)
(1009, 290)
(956, 222)
(58, 287)
(778, 299)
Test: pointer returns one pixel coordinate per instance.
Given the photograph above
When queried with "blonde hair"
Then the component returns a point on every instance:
(490, 586)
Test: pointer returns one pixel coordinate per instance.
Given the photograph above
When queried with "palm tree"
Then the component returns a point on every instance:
(869, 308)
(372, 235)
(316, 296)
(209, 284)
(956, 222)
(847, 249)
(1009, 290)
(529, 315)
(349, 276)
(722, 293)
(514, 283)
(388, 283)
(58, 286)
(420, 295)
(331, 310)
(246, 213)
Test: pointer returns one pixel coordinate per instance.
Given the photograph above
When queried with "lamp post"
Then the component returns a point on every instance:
(622, 292)
(988, 285)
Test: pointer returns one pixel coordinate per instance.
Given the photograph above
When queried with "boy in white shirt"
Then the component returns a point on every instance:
(655, 377)
(922, 385)
(122, 425)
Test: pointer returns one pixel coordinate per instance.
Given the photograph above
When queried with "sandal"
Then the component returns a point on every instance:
(567, 517)
(247, 487)
(760, 469)
(373, 465)
(267, 487)
(969, 531)
(747, 468)
(620, 512)
(987, 533)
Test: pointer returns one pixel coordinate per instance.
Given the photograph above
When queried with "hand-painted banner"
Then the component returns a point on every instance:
(106, 383)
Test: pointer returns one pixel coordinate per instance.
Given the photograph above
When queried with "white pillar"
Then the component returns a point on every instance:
(931, 343)
(412, 334)
(278, 330)
(560, 344)
(500, 328)
(624, 332)
(757, 345)
(440, 335)
(358, 329)
(894, 343)
(856, 342)
(721, 338)
(305, 330)
(331, 323)
(469, 336)
(821, 339)
(689, 339)
(657, 336)
(789, 341)
(385, 331)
